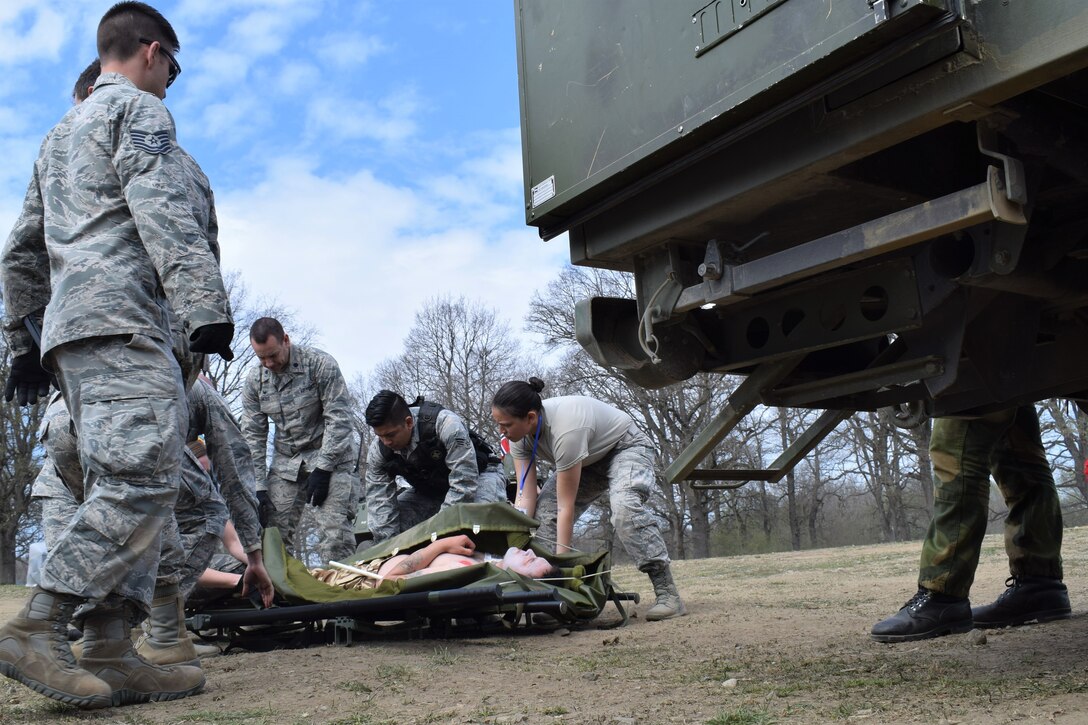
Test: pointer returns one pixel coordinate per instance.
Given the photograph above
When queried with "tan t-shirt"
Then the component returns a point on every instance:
(575, 429)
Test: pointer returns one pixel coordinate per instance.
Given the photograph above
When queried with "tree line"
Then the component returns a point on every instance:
(869, 481)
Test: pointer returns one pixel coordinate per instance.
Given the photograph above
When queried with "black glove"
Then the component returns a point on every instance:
(28, 378)
(264, 508)
(213, 339)
(317, 486)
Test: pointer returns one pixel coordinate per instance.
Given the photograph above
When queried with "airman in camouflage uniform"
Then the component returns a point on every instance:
(314, 457)
(965, 453)
(443, 466)
(597, 450)
(106, 241)
(202, 509)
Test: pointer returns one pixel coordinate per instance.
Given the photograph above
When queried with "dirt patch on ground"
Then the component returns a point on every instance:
(775, 638)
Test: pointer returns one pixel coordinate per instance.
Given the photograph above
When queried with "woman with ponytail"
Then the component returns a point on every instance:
(596, 450)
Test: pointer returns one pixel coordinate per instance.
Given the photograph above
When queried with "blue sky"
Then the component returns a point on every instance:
(365, 155)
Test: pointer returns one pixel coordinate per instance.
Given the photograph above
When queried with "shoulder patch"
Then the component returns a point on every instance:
(153, 142)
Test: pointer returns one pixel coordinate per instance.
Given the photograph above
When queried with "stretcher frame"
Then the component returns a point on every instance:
(476, 600)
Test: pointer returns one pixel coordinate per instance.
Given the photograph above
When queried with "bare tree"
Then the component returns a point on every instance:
(1065, 435)
(457, 353)
(19, 465)
(885, 458)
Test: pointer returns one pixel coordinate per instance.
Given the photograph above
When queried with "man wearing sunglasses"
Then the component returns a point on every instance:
(107, 241)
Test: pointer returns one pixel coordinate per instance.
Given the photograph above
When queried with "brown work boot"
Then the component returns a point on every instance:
(166, 641)
(34, 651)
(668, 603)
(108, 653)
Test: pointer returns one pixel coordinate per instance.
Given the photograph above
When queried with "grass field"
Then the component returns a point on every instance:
(775, 638)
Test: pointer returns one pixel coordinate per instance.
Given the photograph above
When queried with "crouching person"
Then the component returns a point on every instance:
(597, 451)
(432, 449)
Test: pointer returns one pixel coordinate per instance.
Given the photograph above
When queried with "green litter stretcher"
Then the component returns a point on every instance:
(472, 599)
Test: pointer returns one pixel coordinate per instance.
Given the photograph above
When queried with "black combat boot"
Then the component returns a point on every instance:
(927, 614)
(1026, 599)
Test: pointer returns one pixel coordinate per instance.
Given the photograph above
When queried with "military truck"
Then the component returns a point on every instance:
(855, 204)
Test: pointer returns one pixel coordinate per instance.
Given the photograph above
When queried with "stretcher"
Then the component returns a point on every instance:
(470, 600)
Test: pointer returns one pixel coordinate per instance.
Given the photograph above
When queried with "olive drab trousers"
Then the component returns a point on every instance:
(966, 452)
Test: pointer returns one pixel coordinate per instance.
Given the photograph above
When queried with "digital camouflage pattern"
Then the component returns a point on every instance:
(309, 404)
(388, 513)
(965, 453)
(112, 546)
(123, 241)
(201, 514)
(626, 477)
(335, 518)
(102, 260)
(211, 417)
(201, 510)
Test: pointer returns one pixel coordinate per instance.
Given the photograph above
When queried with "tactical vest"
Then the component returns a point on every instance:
(425, 468)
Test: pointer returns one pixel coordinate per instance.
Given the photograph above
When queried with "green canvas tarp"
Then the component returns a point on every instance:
(584, 583)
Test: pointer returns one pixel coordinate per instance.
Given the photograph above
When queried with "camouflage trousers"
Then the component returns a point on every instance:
(186, 546)
(415, 506)
(201, 514)
(59, 507)
(127, 401)
(965, 453)
(626, 476)
(335, 517)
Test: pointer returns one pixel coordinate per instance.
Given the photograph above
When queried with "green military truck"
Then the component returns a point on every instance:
(854, 203)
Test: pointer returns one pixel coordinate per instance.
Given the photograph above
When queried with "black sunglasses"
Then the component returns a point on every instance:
(175, 69)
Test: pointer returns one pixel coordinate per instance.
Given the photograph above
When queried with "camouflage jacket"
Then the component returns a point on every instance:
(309, 404)
(383, 517)
(209, 416)
(105, 255)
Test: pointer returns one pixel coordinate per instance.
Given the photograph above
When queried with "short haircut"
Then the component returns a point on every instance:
(386, 407)
(86, 80)
(123, 25)
(260, 330)
(518, 397)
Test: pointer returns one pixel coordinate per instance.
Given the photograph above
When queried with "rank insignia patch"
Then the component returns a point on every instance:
(155, 142)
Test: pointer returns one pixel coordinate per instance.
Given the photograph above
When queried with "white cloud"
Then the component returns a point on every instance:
(503, 167)
(215, 68)
(298, 77)
(19, 153)
(14, 121)
(346, 50)
(204, 11)
(357, 257)
(264, 32)
(391, 120)
(225, 60)
(236, 120)
(30, 32)
(488, 186)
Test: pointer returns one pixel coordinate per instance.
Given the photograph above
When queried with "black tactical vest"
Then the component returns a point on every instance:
(425, 468)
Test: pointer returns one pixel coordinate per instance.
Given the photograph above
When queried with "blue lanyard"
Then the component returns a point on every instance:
(532, 458)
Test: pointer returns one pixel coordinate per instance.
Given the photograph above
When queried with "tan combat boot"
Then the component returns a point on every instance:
(108, 653)
(203, 648)
(668, 599)
(166, 641)
(34, 650)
